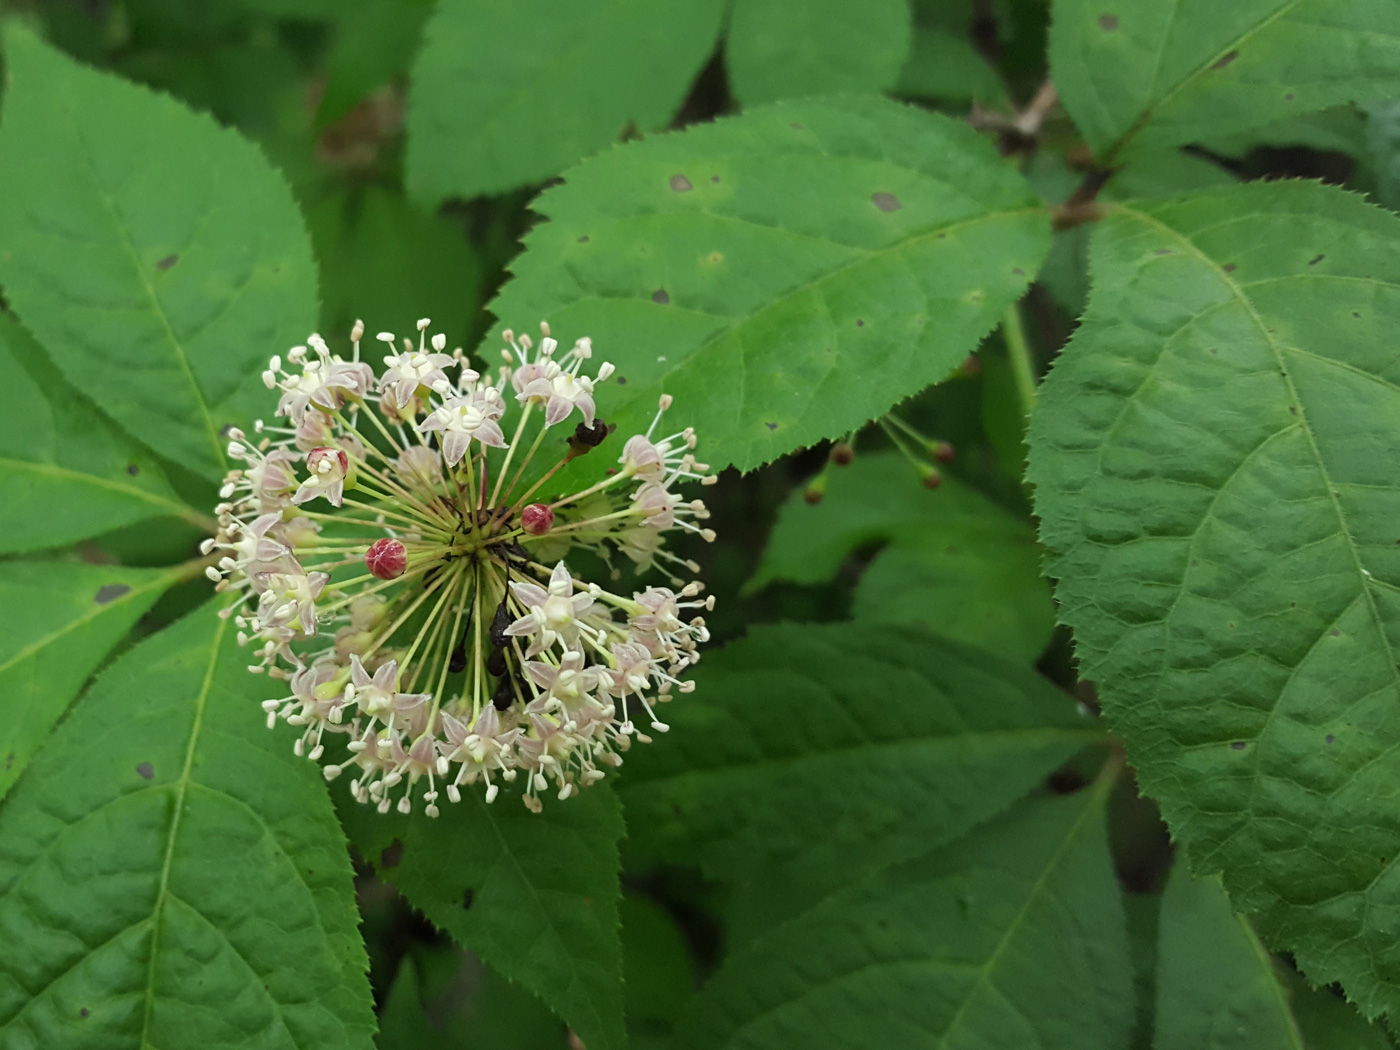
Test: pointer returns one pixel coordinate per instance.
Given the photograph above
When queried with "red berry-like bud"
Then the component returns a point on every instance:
(943, 451)
(537, 519)
(842, 454)
(932, 479)
(386, 559)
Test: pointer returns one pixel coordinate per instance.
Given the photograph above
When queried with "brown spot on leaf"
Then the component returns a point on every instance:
(1238, 745)
(1288, 97)
(1331, 739)
(393, 853)
(167, 262)
(133, 469)
(1163, 251)
(84, 1012)
(621, 380)
(146, 771)
(681, 184)
(110, 592)
(885, 201)
(1316, 259)
(1229, 267)
(1335, 632)
(1108, 23)
(795, 126)
(467, 897)
(1225, 59)
(771, 426)
(660, 296)
(10, 758)
(860, 323)
(1016, 271)
(583, 239)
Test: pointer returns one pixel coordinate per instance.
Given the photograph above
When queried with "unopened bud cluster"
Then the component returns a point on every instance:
(404, 568)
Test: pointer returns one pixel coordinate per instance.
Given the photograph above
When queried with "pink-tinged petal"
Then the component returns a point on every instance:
(524, 625)
(454, 447)
(530, 593)
(586, 406)
(384, 677)
(358, 674)
(488, 724)
(403, 390)
(317, 581)
(557, 409)
(560, 582)
(582, 603)
(335, 495)
(408, 701)
(306, 493)
(541, 674)
(454, 727)
(489, 433)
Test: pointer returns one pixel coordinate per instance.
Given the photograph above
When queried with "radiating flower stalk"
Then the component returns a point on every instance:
(404, 567)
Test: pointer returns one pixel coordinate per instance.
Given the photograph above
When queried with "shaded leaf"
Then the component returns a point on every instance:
(1167, 74)
(175, 877)
(536, 896)
(373, 44)
(788, 274)
(846, 745)
(955, 562)
(65, 473)
(158, 258)
(658, 973)
(57, 622)
(1214, 464)
(945, 65)
(500, 100)
(1217, 986)
(1011, 937)
(789, 48)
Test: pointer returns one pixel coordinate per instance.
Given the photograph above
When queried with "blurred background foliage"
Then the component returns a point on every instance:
(325, 88)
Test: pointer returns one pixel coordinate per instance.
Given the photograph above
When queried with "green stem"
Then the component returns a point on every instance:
(1019, 351)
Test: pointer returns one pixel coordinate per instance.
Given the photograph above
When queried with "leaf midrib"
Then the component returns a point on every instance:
(53, 470)
(109, 206)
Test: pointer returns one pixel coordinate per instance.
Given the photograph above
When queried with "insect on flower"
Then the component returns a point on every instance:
(404, 568)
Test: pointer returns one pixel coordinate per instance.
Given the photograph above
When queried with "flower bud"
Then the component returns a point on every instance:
(537, 519)
(386, 559)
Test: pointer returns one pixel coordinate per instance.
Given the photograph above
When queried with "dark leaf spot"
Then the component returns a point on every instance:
(714, 178)
(1288, 97)
(1017, 271)
(9, 760)
(1293, 409)
(940, 237)
(133, 469)
(1316, 259)
(1225, 59)
(167, 262)
(1163, 251)
(885, 201)
(466, 899)
(583, 239)
(681, 184)
(146, 771)
(771, 426)
(1335, 632)
(111, 591)
(796, 127)
(1355, 314)
(1331, 739)
(1238, 745)
(1228, 267)
(860, 323)
(660, 296)
(84, 1012)
(621, 380)
(1108, 23)
(393, 853)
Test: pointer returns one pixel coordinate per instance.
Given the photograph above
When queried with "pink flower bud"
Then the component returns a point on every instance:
(537, 519)
(386, 559)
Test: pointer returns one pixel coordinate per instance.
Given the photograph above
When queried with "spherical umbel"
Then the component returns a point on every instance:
(386, 559)
(537, 519)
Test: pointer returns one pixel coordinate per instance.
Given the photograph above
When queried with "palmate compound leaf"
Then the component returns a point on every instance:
(1011, 937)
(535, 896)
(502, 98)
(954, 561)
(170, 877)
(158, 258)
(841, 748)
(66, 474)
(57, 622)
(1148, 73)
(790, 48)
(786, 274)
(1215, 471)
(1218, 988)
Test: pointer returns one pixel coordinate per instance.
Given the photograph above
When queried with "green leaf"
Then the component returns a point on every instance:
(536, 896)
(173, 876)
(1328, 1022)
(501, 100)
(945, 65)
(955, 562)
(788, 274)
(389, 263)
(57, 622)
(848, 746)
(1165, 74)
(789, 48)
(1217, 986)
(1214, 462)
(157, 257)
(65, 473)
(1012, 937)
(658, 973)
(1383, 146)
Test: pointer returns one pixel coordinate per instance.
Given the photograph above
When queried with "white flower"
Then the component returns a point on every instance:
(460, 419)
(327, 467)
(408, 371)
(553, 614)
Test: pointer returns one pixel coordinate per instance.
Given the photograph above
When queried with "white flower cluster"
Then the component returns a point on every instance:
(423, 614)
